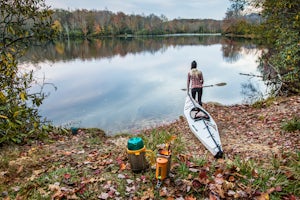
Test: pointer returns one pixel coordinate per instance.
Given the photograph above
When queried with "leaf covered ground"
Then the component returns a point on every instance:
(261, 161)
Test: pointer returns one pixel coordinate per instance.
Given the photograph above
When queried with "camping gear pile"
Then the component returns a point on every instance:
(137, 152)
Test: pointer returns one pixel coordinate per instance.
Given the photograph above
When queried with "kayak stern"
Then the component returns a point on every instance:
(219, 154)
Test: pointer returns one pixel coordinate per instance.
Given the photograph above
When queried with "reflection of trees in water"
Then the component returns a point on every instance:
(231, 52)
(251, 92)
(109, 47)
(271, 78)
(233, 49)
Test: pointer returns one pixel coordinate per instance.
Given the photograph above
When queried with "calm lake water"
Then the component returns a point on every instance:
(127, 84)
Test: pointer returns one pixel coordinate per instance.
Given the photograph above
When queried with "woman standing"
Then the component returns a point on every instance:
(195, 80)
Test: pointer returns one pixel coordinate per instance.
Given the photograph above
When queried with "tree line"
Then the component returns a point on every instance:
(93, 23)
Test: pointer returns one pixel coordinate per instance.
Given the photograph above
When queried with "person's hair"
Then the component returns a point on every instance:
(193, 65)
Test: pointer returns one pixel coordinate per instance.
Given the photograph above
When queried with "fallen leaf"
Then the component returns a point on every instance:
(58, 194)
(148, 194)
(36, 173)
(103, 195)
(278, 188)
(16, 189)
(203, 178)
(263, 196)
(213, 197)
(67, 176)
(191, 197)
(54, 187)
(67, 153)
(129, 181)
(72, 197)
(130, 189)
(231, 179)
(170, 198)
(219, 180)
(289, 197)
(20, 169)
(231, 193)
(163, 192)
(121, 176)
(122, 166)
(228, 185)
(254, 173)
(196, 184)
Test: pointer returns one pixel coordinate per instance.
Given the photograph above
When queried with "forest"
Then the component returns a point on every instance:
(84, 23)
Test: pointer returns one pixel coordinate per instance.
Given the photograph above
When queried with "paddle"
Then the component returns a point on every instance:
(218, 84)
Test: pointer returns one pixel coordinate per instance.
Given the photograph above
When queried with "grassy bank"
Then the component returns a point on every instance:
(261, 144)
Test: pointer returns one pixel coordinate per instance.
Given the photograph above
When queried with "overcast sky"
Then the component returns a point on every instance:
(191, 9)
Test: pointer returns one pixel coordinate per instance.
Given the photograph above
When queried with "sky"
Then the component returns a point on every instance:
(179, 9)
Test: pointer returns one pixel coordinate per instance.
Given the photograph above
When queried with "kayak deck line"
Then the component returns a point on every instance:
(195, 128)
(218, 145)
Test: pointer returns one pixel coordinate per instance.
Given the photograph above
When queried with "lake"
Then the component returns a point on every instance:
(128, 84)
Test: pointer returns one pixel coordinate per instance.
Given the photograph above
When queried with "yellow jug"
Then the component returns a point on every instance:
(137, 159)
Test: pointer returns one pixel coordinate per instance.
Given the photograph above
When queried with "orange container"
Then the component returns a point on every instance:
(163, 153)
(161, 168)
(169, 161)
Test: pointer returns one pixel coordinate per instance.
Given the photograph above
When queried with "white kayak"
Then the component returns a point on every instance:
(203, 126)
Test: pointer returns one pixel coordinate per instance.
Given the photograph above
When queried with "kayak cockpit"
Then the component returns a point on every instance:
(198, 114)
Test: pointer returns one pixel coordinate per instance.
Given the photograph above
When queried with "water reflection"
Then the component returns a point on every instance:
(125, 84)
(110, 47)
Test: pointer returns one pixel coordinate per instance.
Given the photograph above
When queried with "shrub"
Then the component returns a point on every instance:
(292, 125)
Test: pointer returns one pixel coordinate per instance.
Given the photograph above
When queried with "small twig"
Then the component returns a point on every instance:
(253, 75)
